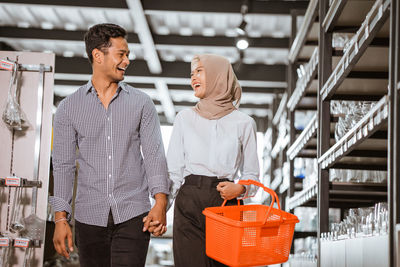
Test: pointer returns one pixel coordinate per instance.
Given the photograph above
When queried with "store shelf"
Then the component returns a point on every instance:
(303, 197)
(280, 145)
(371, 122)
(304, 138)
(280, 110)
(304, 30)
(342, 195)
(341, 13)
(276, 183)
(301, 234)
(305, 81)
(371, 25)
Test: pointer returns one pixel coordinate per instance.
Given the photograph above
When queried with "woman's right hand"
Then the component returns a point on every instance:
(230, 190)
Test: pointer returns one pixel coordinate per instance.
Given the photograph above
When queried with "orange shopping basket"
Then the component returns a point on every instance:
(249, 235)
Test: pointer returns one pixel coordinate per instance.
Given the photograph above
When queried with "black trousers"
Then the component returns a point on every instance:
(117, 245)
(196, 194)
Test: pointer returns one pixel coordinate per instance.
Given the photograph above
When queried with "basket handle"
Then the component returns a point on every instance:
(274, 196)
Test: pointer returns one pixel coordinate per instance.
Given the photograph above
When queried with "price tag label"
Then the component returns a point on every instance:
(4, 241)
(13, 181)
(21, 242)
(6, 65)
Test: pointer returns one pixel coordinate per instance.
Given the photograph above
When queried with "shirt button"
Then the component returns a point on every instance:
(109, 195)
(109, 157)
(108, 118)
(108, 137)
(109, 175)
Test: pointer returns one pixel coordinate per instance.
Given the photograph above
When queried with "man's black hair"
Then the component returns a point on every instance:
(98, 36)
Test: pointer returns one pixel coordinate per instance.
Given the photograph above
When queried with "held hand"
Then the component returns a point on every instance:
(230, 190)
(155, 222)
(63, 232)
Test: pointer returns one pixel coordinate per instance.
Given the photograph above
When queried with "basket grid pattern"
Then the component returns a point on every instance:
(249, 235)
(257, 245)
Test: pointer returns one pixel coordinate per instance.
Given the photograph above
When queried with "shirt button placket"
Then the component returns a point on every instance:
(109, 157)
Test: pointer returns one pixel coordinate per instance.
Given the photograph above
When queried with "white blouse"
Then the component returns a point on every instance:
(226, 148)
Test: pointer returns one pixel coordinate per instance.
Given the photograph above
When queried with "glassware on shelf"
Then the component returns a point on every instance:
(340, 40)
(360, 222)
(349, 113)
(357, 176)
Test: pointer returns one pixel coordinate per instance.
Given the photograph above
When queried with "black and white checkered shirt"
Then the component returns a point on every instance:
(120, 155)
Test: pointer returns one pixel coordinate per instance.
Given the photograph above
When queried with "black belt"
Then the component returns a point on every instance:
(203, 181)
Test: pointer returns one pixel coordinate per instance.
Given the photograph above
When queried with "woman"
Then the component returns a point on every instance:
(210, 145)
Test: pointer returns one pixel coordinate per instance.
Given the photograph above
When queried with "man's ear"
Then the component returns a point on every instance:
(97, 56)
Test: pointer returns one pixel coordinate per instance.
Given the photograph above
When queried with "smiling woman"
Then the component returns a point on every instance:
(198, 78)
(209, 144)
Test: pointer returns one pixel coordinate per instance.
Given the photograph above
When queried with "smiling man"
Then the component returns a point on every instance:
(121, 160)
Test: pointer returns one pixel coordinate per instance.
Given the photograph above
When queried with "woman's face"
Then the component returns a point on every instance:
(198, 79)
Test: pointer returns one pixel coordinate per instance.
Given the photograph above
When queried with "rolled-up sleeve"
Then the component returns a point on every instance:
(64, 160)
(153, 150)
(176, 156)
(250, 169)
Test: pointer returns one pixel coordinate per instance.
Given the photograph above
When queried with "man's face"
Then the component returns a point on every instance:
(116, 59)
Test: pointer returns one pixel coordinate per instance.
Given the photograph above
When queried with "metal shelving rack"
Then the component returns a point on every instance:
(368, 70)
(360, 74)
(302, 96)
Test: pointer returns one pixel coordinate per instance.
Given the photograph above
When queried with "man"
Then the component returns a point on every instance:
(121, 160)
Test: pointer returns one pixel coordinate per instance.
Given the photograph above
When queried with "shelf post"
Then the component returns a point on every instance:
(394, 134)
(291, 88)
(323, 133)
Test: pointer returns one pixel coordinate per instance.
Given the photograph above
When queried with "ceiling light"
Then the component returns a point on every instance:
(163, 30)
(242, 44)
(23, 24)
(70, 26)
(186, 31)
(47, 25)
(241, 29)
(208, 31)
(68, 54)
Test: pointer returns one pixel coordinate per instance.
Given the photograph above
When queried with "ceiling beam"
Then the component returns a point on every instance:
(145, 36)
(263, 42)
(255, 72)
(255, 106)
(86, 3)
(225, 6)
(54, 34)
(166, 101)
(260, 92)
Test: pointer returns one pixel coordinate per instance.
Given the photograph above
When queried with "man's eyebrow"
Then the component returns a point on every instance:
(125, 51)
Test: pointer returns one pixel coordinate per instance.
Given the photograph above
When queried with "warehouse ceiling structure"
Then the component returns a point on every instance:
(163, 36)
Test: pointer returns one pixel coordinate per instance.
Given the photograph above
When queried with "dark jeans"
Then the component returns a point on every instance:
(116, 245)
(197, 193)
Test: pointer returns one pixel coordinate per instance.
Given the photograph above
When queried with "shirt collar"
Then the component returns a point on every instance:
(121, 85)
